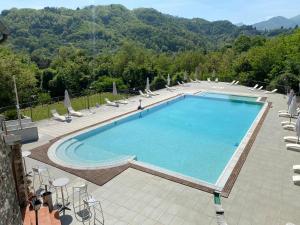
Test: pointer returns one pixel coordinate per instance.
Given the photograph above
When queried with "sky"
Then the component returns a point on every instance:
(236, 11)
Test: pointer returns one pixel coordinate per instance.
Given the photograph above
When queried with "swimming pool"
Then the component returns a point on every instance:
(193, 136)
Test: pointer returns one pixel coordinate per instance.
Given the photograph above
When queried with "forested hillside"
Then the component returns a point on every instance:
(51, 50)
(101, 28)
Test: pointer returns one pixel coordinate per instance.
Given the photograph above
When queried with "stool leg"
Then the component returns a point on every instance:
(67, 194)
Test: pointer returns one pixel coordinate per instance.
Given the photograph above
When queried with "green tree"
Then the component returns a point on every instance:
(24, 70)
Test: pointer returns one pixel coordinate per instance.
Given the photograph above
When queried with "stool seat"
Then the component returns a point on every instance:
(60, 182)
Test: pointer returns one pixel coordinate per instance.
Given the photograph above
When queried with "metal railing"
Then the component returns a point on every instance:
(38, 110)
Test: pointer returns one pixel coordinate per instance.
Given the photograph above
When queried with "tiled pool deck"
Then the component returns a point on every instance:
(262, 194)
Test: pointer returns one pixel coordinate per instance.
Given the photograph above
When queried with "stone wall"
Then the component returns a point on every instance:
(9, 205)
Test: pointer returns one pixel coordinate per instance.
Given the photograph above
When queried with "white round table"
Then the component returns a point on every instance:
(60, 183)
(25, 154)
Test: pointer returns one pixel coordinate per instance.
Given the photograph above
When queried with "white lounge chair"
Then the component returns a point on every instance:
(285, 111)
(72, 112)
(184, 84)
(208, 79)
(236, 83)
(292, 139)
(296, 168)
(180, 84)
(217, 80)
(293, 147)
(57, 117)
(149, 92)
(260, 88)
(286, 115)
(271, 92)
(110, 103)
(193, 81)
(144, 95)
(198, 81)
(289, 127)
(296, 179)
(253, 88)
(232, 82)
(169, 88)
(122, 101)
(284, 123)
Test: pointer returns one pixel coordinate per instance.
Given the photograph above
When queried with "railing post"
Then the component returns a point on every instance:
(48, 110)
(31, 111)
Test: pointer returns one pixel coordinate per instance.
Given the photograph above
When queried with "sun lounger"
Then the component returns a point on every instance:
(217, 80)
(109, 103)
(149, 92)
(285, 111)
(288, 123)
(289, 127)
(208, 79)
(253, 88)
(72, 112)
(296, 179)
(296, 168)
(271, 92)
(169, 88)
(144, 95)
(260, 88)
(198, 81)
(236, 83)
(232, 82)
(293, 147)
(184, 84)
(292, 139)
(180, 84)
(193, 81)
(57, 117)
(287, 115)
(122, 101)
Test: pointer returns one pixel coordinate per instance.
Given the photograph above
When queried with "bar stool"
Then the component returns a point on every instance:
(42, 174)
(87, 206)
(81, 211)
(62, 183)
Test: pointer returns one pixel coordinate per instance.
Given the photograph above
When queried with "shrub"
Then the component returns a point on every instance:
(158, 82)
(285, 81)
(178, 77)
(43, 98)
(105, 84)
(11, 114)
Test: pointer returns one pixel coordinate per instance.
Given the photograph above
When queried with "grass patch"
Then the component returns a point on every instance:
(41, 112)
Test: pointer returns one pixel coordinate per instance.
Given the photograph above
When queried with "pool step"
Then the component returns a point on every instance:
(71, 146)
(105, 157)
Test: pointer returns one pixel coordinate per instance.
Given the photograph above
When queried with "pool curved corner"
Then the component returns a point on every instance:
(52, 155)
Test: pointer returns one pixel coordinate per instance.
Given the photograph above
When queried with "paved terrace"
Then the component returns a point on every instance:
(263, 194)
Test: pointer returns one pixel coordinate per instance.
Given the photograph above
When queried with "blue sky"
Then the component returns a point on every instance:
(246, 11)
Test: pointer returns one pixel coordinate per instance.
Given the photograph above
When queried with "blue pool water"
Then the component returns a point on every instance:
(192, 135)
(229, 97)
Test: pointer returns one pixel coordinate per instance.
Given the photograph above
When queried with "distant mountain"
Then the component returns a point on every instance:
(296, 19)
(277, 23)
(101, 28)
(239, 24)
